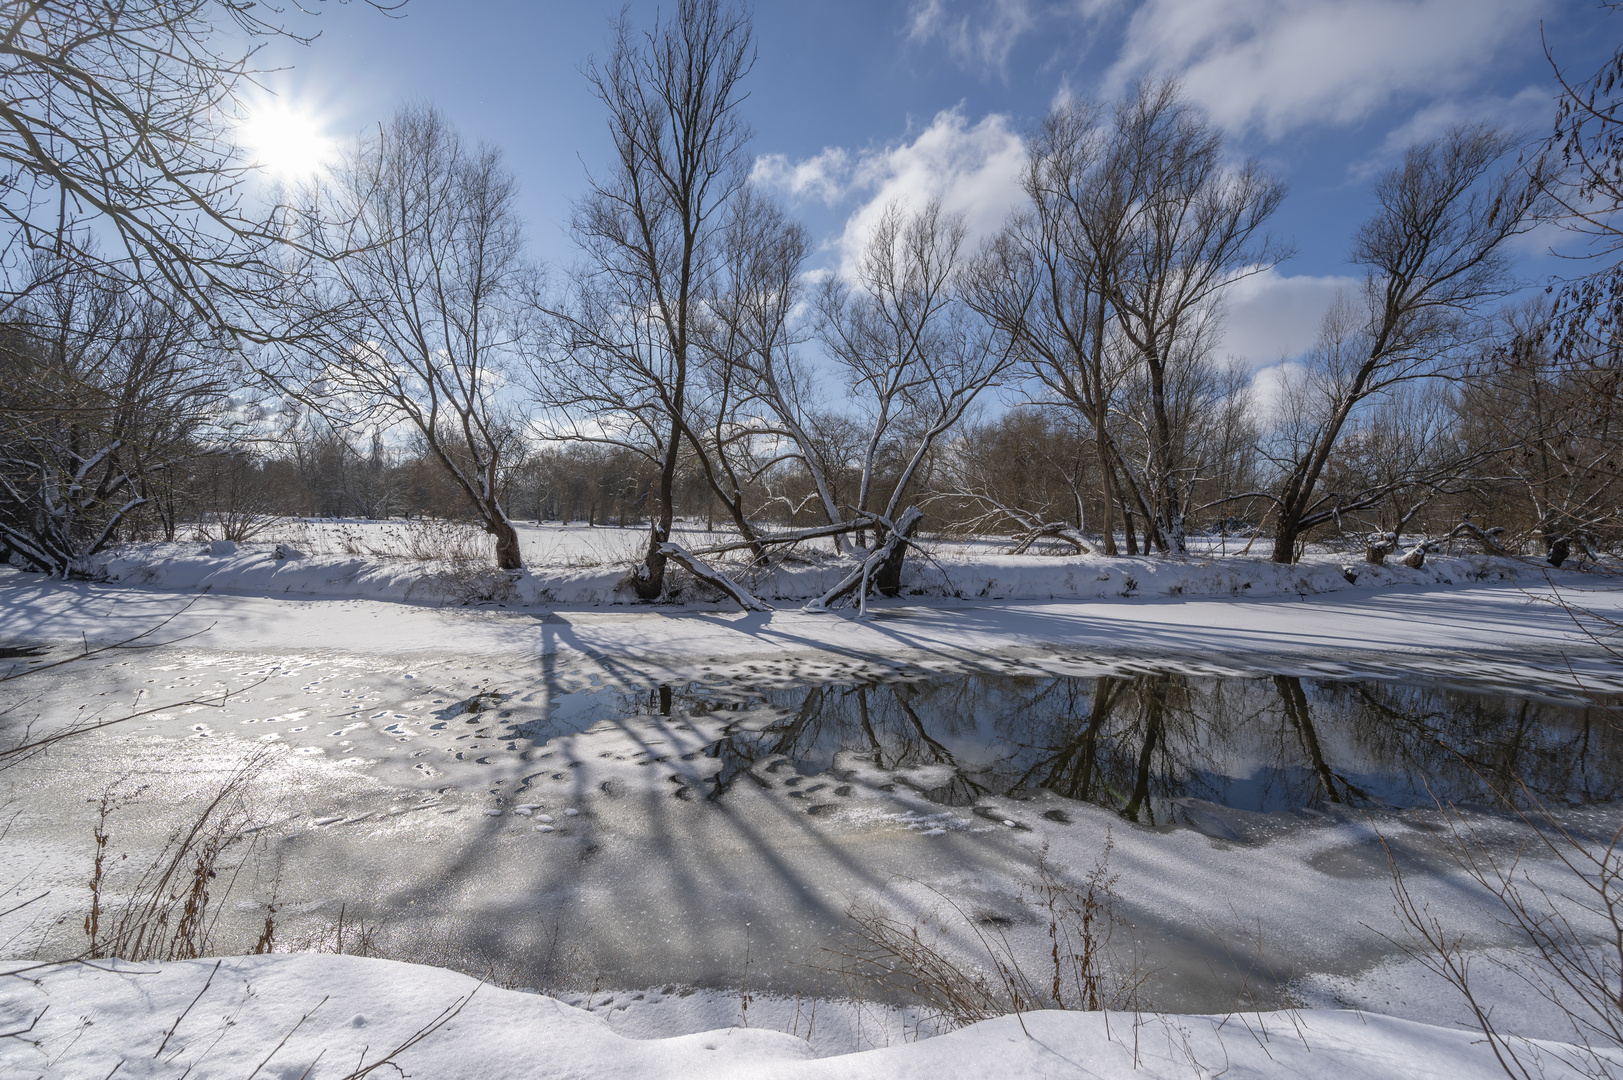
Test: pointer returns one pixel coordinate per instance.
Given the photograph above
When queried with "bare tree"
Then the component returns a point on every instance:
(1433, 254)
(101, 394)
(1396, 458)
(759, 388)
(1196, 229)
(1581, 176)
(1030, 472)
(622, 368)
(1047, 281)
(423, 251)
(1113, 277)
(1203, 407)
(1547, 414)
(916, 354)
(114, 159)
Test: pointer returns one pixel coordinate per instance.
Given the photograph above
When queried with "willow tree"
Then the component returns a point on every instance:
(1114, 276)
(623, 364)
(424, 256)
(1433, 253)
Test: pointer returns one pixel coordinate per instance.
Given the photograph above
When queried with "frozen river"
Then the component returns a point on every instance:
(575, 822)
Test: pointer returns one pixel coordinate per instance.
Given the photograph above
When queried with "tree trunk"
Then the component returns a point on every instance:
(710, 575)
(1107, 490)
(888, 578)
(649, 578)
(1379, 547)
(1171, 510)
(1294, 699)
(1285, 539)
(1154, 689)
(1101, 420)
(507, 550)
(865, 575)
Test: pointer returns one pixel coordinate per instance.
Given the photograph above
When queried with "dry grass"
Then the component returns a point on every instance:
(1566, 915)
(348, 936)
(471, 584)
(170, 909)
(457, 542)
(920, 959)
(427, 540)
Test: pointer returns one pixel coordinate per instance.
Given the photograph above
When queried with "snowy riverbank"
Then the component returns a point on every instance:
(574, 567)
(323, 1016)
(1497, 632)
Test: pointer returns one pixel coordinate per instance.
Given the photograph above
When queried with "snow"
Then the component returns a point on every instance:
(1493, 633)
(578, 566)
(323, 1016)
(651, 887)
(352, 674)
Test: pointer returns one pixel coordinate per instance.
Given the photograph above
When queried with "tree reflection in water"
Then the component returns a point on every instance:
(1140, 742)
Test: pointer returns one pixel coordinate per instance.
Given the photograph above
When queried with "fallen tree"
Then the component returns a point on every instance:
(882, 567)
(713, 577)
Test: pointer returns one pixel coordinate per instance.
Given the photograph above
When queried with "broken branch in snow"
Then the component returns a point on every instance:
(1052, 530)
(711, 576)
(286, 1037)
(143, 640)
(185, 1012)
(11, 755)
(1033, 526)
(787, 538)
(1488, 538)
(897, 540)
(20, 1032)
(449, 1013)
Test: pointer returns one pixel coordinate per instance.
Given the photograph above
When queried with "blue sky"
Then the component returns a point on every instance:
(857, 103)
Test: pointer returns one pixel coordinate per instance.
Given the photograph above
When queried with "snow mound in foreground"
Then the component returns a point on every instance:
(282, 1013)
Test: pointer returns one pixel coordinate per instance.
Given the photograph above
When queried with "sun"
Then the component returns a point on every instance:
(287, 140)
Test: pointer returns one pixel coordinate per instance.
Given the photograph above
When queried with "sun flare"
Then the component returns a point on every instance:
(287, 140)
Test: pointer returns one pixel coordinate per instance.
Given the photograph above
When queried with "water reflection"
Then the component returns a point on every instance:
(1145, 742)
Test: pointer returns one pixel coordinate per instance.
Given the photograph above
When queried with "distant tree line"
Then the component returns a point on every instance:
(379, 344)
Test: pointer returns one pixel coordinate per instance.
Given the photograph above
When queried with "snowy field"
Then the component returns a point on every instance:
(441, 563)
(493, 793)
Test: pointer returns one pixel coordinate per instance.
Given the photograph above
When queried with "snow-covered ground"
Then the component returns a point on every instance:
(1501, 631)
(328, 1016)
(576, 566)
(648, 894)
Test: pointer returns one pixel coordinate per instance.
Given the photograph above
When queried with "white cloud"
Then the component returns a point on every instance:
(979, 37)
(1278, 65)
(1272, 316)
(974, 168)
(1526, 111)
(1270, 391)
(1531, 107)
(824, 177)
